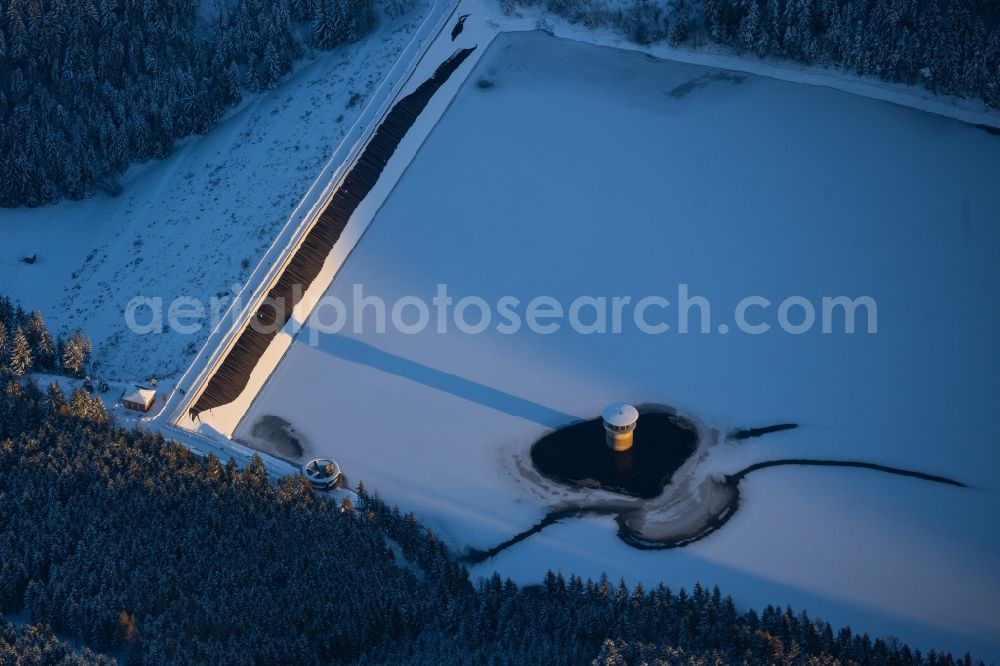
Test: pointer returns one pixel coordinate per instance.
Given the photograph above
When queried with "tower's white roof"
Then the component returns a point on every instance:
(620, 414)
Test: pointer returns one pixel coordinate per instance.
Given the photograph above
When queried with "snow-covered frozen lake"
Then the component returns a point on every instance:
(576, 170)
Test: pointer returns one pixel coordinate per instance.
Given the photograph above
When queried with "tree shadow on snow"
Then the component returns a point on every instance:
(356, 351)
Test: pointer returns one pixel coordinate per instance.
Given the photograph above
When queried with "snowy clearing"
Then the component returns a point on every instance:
(197, 223)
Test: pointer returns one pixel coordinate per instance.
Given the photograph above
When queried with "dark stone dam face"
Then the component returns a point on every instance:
(231, 376)
(578, 456)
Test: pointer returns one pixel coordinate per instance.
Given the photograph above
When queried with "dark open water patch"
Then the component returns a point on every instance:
(747, 433)
(731, 486)
(734, 479)
(475, 556)
(688, 87)
(577, 455)
(278, 437)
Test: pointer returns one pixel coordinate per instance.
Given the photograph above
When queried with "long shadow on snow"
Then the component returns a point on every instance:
(356, 351)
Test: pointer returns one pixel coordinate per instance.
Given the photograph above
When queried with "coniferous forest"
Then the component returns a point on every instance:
(27, 346)
(952, 47)
(36, 644)
(135, 547)
(87, 87)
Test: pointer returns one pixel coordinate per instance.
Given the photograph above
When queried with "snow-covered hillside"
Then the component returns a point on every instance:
(197, 223)
(569, 170)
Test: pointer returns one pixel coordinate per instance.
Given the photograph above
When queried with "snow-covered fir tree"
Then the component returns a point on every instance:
(41, 341)
(76, 351)
(4, 344)
(21, 359)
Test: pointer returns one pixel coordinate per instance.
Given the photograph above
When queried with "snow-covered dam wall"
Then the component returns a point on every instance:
(232, 374)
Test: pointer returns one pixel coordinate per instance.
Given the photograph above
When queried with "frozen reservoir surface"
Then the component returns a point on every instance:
(569, 170)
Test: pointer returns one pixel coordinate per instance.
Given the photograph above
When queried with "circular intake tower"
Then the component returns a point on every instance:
(613, 453)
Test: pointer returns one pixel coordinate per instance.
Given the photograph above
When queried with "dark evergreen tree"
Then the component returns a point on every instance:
(678, 30)
(76, 352)
(41, 342)
(21, 359)
(56, 398)
(4, 345)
